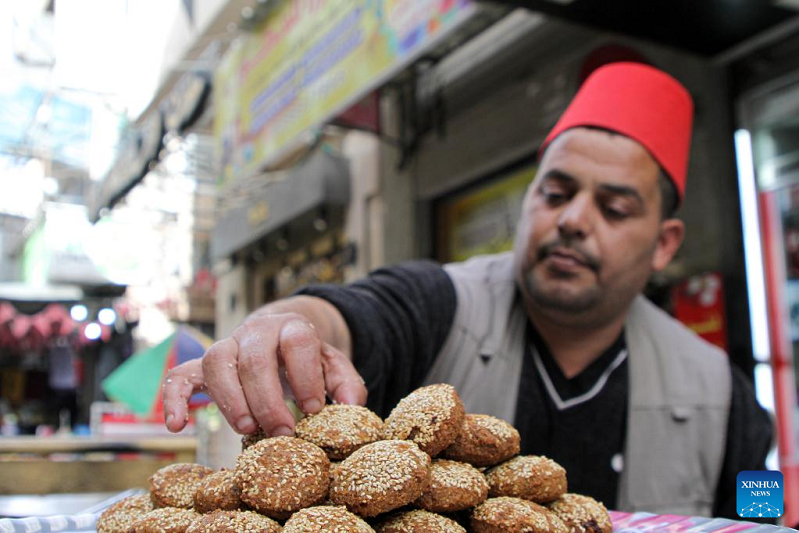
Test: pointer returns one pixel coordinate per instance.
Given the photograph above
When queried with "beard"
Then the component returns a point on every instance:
(559, 291)
(556, 297)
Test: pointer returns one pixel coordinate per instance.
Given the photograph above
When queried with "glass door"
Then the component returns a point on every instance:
(767, 148)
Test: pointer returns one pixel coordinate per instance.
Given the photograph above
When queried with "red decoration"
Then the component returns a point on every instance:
(699, 304)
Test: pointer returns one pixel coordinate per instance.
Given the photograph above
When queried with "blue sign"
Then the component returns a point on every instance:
(760, 494)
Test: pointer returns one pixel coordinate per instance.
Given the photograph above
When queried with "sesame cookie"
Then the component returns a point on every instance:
(453, 487)
(535, 478)
(234, 522)
(419, 521)
(582, 514)
(218, 491)
(511, 515)
(431, 417)
(281, 475)
(120, 516)
(175, 485)
(326, 519)
(165, 520)
(340, 429)
(381, 477)
(484, 440)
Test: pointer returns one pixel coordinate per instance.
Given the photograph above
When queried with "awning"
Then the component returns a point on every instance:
(318, 183)
(714, 28)
(15, 291)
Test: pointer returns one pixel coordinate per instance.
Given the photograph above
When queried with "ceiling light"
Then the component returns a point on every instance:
(79, 313)
(93, 331)
(107, 316)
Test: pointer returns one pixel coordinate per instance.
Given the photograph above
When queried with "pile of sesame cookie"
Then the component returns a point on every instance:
(429, 467)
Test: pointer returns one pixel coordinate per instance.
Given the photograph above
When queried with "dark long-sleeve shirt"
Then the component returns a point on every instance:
(399, 318)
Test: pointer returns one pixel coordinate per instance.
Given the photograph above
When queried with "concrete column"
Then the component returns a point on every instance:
(363, 151)
(381, 216)
(396, 209)
(219, 445)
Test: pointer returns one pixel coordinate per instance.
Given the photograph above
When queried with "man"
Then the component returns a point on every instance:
(553, 337)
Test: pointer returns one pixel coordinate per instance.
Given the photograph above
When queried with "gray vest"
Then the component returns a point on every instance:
(679, 399)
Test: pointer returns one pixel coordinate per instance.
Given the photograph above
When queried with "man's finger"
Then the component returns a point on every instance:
(343, 383)
(300, 349)
(258, 371)
(179, 384)
(220, 367)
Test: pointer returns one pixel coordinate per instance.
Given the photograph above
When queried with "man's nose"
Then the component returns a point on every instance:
(575, 219)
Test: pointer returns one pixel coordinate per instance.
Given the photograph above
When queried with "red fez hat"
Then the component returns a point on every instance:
(639, 102)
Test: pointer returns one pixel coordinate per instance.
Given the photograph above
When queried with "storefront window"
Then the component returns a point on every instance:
(771, 158)
(482, 219)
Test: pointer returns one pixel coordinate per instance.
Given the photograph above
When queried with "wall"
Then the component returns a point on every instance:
(221, 445)
(363, 225)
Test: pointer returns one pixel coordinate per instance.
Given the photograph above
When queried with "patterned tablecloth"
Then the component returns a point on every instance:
(641, 522)
(622, 523)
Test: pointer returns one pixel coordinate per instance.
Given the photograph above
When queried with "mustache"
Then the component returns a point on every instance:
(571, 248)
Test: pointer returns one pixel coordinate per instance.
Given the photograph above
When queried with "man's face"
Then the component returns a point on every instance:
(590, 232)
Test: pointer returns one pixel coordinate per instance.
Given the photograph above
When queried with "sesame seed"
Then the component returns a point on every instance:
(582, 514)
(381, 477)
(430, 416)
(417, 520)
(326, 519)
(175, 485)
(340, 429)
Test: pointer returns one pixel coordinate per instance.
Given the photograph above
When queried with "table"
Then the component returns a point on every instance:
(58, 465)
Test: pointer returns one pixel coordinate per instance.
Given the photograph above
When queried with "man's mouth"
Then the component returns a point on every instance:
(567, 259)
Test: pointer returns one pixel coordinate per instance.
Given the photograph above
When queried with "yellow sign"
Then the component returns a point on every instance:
(483, 221)
(311, 60)
(226, 110)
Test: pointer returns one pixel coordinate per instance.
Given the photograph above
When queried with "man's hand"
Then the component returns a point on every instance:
(242, 373)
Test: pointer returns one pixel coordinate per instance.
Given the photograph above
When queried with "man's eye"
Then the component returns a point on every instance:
(615, 214)
(553, 195)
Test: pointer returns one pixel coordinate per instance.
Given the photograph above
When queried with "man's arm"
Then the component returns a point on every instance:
(749, 438)
(390, 324)
(399, 318)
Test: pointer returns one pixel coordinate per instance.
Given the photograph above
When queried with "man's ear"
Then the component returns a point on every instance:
(672, 231)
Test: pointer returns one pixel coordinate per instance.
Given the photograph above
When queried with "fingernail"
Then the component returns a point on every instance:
(348, 398)
(245, 424)
(169, 420)
(282, 431)
(312, 406)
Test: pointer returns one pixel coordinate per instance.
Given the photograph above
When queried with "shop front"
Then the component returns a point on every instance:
(459, 136)
(767, 147)
(287, 227)
(465, 180)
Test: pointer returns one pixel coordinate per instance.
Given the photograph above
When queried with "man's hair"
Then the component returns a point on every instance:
(668, 196)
